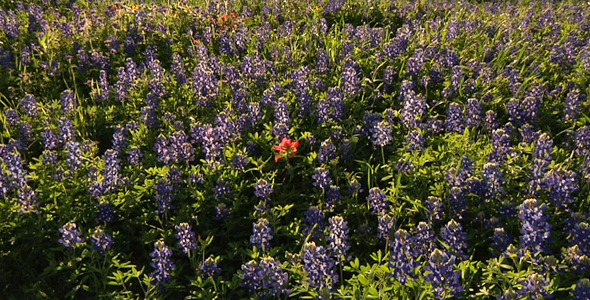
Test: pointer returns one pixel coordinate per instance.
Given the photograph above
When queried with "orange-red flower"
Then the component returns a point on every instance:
(286, 147)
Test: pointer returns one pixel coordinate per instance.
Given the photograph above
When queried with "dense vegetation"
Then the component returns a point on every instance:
(305, 149)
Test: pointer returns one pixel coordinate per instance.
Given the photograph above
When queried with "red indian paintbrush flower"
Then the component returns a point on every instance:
(286, 147)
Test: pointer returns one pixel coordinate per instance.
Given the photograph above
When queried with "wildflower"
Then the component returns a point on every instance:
(161, 263)
(186, 237)
(402, 256)
(338, 238)
(266, 278)
(262, 234)
(101, 241)
(70, 236)
(377, 201)
(286, 147)
(209, 267)
(444, 279)
(318, 266)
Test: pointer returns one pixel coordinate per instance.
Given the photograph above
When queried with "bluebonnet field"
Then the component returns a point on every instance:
(309, 149)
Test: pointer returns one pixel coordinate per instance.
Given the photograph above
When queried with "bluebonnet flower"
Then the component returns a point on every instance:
(68, 102)
(397, 46)
(402, 256)
(314, 220)
(162, 264)
(562, 184)
(414, 106)
(580, 236)
(103, 92)
(263, 189)
(222, 212)
(70, 236)
(104, 212)
(209, 267)
(111, 170)
(322, 178)
(424, 240)
(186, 237)
(101, 241)
(453, 236)
(523, 111)
(119, 142)
(239, 162)
(164, 196)
(333, 197)
(29, 105)
(49, 157)
(350, 78)
(493, 180)
(541, 161)
(177, 69)
(444, 279)
(582, 141)
(281, 111)
(355, 187)
(435, 211)
(12, 116)
(265, 279)
(221, 189)
(455, 121)
(500, 240)
(582, 290)
(501, 146)
(381, 134)
(262, 235)
(473, 113)
(319, 268)
(27, 199)
(415, 140)
(338, 238)
(415, 63)
(377, 201)
(572, 104)
(491, 121)
(456, 76)
(384, 227)
(205, 83)
(535, 232)
(135, 156)
(327, 152)
(322, 62)
(74, 155)
(535, 287)
(50, 139)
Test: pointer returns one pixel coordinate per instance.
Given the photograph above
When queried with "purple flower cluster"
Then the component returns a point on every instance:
(314, 220)
(187, 239)
(319, 268)
(338, 239)
(162, 264)
(402, 256)
(174, 149)
(441, 274)
(209, 267)
(377, 201)
(265, 278)
(322, 178)
(327, 152)
(263, 189)
(101, 241)
(261, 235)
(70, 235)
(453, 236)
(536, 231)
